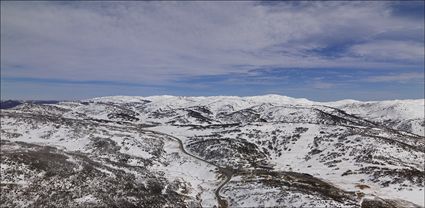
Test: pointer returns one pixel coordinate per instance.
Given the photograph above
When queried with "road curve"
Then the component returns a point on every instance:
(222, 203)
(227, 173)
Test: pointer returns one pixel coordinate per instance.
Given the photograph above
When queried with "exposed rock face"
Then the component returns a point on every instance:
(213, 151)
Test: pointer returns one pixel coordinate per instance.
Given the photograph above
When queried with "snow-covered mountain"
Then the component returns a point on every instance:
(219, 151)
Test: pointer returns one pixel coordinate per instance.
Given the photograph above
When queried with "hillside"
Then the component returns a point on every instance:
(220, 151)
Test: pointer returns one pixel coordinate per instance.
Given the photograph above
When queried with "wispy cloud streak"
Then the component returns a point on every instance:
(401, 77)
(161, 42)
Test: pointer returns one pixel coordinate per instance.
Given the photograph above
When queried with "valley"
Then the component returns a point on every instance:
(167, 151)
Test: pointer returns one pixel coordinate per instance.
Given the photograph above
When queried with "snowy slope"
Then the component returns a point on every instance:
(407, 115)
(266, 150)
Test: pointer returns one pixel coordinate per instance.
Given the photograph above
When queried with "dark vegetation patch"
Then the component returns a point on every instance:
(386, 203)
(300, 182)
(122, 116)
(227, 152)
(54, 178)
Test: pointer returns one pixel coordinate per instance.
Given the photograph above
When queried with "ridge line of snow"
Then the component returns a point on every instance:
(272, 98)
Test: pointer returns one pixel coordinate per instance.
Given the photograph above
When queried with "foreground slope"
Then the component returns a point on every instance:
(213, 151)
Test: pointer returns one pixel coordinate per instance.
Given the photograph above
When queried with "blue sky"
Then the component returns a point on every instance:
(318, 50)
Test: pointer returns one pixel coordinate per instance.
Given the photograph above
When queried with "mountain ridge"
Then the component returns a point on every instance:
(216, 151)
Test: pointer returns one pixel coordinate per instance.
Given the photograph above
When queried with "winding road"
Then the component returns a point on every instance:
(226, 172)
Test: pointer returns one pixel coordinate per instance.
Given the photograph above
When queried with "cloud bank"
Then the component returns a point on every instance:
(205, 44)
(160, 42)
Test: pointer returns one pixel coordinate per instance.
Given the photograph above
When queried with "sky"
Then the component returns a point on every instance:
(322, 51)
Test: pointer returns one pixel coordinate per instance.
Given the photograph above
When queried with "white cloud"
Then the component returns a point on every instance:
(322, 85)
(402, 77)
(391, 50)
(160, 41)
